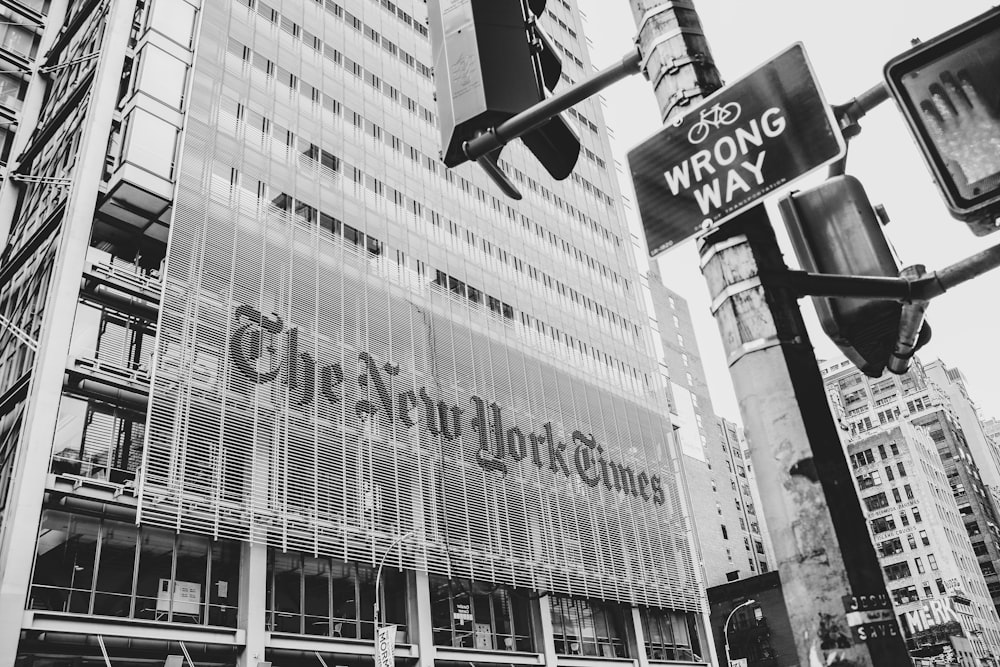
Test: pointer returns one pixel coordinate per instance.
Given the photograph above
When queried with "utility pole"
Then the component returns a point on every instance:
(831, 578)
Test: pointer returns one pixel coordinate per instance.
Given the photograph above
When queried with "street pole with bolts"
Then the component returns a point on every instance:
(830, 574)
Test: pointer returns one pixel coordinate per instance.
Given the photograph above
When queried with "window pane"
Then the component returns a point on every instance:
(114, 574)
(162, 76)
(440, 591)
(156, 555)
(287, 594)
(173, 18)
(53, 563)
(82, 546)
(345, 602)
(317, 596)
(189, 580)
(224, 589)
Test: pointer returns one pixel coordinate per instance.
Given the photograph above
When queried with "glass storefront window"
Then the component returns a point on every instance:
(589, 627)
(330, 598)
(64, 568)
(115, 574)
(670, 635)
(111, 568)
(478, 615)
(223, 591)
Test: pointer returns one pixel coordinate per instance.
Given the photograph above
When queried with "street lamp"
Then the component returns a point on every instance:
(725, 628)
(378, 573)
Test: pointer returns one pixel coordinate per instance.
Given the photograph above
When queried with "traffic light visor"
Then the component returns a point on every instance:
(949, 92)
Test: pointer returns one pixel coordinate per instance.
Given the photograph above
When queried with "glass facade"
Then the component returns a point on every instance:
(99, 566)
(297, 346)
(670, 635)
(589, 627)
(473, 614)
(330, 598)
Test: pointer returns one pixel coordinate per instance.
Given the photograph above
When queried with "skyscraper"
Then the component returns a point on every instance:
(912, 467)
(730, 532)
(258, 344)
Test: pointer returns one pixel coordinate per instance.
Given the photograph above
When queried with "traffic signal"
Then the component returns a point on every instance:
(492, 61)
(948, 92)
(834, 230)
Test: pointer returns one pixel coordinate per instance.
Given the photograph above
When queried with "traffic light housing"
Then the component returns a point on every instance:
(948, 92)
(491, 62)
(834, 230)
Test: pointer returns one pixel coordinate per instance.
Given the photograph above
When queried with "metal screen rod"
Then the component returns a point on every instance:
(104, 651)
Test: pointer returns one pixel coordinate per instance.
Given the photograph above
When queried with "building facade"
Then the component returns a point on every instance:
(758, 629)
(270, 367)
(731, 534)
(983, 448)
(923, 522)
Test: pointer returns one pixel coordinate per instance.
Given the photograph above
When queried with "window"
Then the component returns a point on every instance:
(882, 524)
(869, 480)
(111, 568)
(902, 469)
(175, 20)
(911, 541)
(877, 501)
(924, 539)
(471, 614)
(862, 458)
(725, 533)
(920, 565)
(916, 515)
(671, 635)
(897, 571)
(909, 491)
(588, 627)
(888, 473)
(904, 595)
(890, 547)
(932, 561)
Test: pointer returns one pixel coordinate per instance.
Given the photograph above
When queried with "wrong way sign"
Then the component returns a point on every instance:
(747, 139)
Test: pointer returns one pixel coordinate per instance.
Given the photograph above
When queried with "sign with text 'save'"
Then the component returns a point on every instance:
(749, 138)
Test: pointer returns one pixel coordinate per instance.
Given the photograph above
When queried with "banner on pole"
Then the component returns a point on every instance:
(385, 646)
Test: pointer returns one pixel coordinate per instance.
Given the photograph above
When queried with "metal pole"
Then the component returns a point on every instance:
(529, 119)
(725, 629)
(806, 485)
(378, 572)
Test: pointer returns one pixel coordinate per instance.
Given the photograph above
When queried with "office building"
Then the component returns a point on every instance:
(924, 524)
(984, 449)
(729, 527)
(259, 343)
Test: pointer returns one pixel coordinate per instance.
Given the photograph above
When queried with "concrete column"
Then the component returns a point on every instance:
(253, 599)
(637, 638)
(542, 628)
(38, 431)
(418, 614)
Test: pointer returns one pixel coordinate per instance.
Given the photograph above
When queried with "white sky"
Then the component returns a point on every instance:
(848, 43)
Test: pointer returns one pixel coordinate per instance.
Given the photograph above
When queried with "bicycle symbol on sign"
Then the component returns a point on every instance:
(713, 117)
